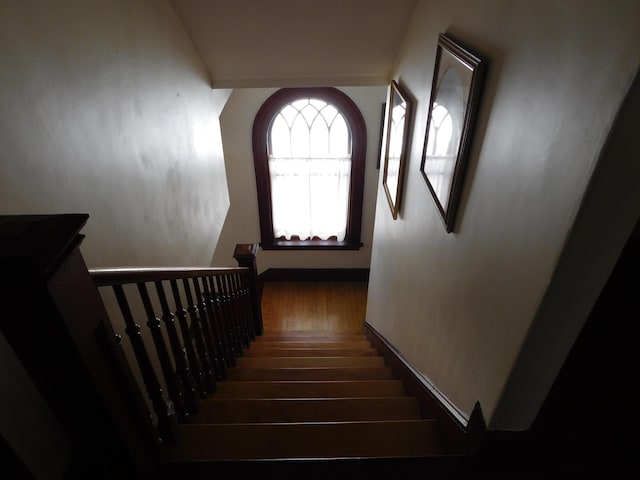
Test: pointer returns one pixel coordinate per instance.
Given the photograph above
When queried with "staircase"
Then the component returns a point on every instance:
(297, 397)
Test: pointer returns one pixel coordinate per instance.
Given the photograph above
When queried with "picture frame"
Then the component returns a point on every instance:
(455, 94)
(398, 128)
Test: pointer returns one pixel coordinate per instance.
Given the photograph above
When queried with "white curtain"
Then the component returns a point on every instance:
(310, 197)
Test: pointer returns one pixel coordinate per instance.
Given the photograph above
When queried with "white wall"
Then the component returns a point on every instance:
(242, 224)
(459, 306)
(107, 110)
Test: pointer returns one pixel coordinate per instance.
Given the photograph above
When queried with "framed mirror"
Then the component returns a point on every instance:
(398, 125)
(455, 93)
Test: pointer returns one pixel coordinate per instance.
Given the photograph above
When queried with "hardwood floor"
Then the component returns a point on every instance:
(337, 307)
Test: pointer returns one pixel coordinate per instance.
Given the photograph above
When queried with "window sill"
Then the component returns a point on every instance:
(310, 245)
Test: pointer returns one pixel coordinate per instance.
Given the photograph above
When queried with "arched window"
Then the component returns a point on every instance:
(309, 148)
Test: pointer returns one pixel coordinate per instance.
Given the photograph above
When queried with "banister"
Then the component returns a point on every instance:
(104, 277)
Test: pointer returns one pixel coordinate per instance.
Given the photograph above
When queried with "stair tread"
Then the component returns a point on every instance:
(322, 344)
(299, 389)
(314, 361)
(310, 373)
(305, 440)
(309, 352)
(221, 410)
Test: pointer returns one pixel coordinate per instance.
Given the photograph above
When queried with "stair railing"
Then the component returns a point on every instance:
(209, 317)
(56, 320)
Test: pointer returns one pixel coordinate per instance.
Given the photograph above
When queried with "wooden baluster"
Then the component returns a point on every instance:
(245, 255)
(153, 322)
(245, 298)
(182, 369)
(221, 321)
(167, 424)
(205, 360)
(232, 331)
(216, 327)
(214, 355)
(192, 357)
(234, 291)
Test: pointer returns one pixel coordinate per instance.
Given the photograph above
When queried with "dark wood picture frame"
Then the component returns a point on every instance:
(398, 128)
(455, 94)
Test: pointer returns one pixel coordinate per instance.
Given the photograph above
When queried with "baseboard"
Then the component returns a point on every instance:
(433, 404)
(315, 275)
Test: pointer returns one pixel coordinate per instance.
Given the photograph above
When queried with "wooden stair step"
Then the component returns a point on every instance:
(251, 410)
(309, 352)
(287, 362)
(309, 389)
(398, 438)
(333, 344)
(310, 373)
(284, 337)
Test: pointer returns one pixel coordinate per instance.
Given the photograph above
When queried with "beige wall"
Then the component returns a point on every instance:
(107, 110)
(242, 222)
(459, 306)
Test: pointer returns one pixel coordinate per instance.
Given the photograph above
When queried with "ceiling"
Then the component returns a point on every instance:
(281, 43)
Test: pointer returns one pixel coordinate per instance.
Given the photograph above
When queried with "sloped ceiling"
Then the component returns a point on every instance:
(279, 43)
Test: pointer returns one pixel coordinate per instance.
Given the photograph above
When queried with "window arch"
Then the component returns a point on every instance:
(305, 141)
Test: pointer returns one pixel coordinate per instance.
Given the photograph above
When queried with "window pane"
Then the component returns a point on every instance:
(300, 138)
(340, 140)
(319, 138)
(280, 138)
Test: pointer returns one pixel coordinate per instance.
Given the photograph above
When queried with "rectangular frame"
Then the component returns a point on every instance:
(398, 128)
(455, 94)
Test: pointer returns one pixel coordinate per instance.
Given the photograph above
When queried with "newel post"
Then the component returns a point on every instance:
(245, 255)
(54, 320)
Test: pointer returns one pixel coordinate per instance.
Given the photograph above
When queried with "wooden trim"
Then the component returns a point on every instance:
(315, 275)
(120, 276)
(433, 403)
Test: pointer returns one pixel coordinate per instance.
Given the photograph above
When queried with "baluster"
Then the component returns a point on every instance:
(192, 357)
(246, 304)
(153, 322)
(216, 328)
(207, 332)
(245, 255)
(167, 424)
(182, 369)
(234, 291)
(232, 331)
(208, 375)
(221, 321)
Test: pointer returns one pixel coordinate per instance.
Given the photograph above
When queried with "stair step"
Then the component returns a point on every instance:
(398, 438)
(333, 344)
(310, 373)
(286, 337)
(219, 410)
(309, 352)
(289, 362)
(309, 389)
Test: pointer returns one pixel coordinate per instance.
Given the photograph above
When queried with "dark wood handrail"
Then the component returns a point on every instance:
(104, 277)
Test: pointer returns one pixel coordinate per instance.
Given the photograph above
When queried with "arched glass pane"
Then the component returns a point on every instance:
(280, 143)
(289, 113)
(340, 139)
(309, 112)
(300, 138)
(319, 138)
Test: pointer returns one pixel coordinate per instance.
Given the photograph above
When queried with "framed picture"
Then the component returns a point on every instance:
(398, 127)
(455, 93)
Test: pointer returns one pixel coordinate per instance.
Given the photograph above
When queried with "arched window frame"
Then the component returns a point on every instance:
(261, 126)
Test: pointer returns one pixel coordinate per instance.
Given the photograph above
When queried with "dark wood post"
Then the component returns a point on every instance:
(55, 321)
(245, 255)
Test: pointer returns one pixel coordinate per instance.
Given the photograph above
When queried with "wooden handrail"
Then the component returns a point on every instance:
(120, 276)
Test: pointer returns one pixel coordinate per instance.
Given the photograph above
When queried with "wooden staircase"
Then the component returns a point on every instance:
(300, 396)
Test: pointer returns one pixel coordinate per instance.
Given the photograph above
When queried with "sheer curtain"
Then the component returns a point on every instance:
(309, 168)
